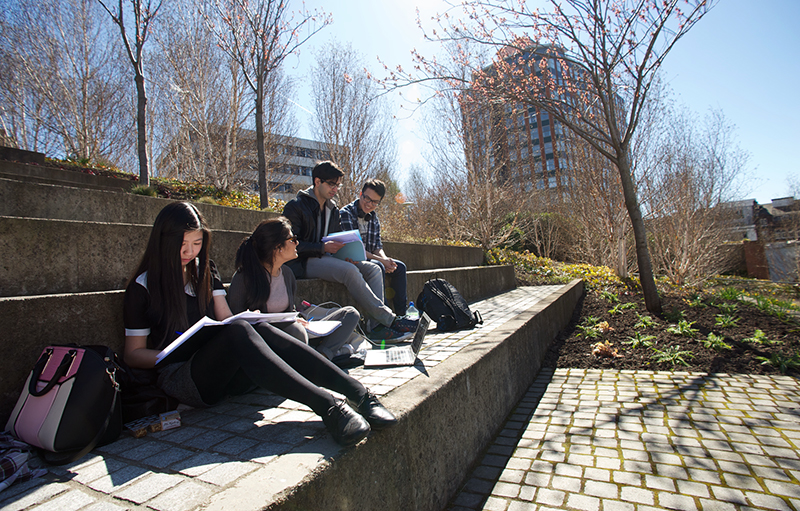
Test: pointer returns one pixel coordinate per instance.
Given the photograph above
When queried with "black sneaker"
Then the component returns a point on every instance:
(404, 324)
(390, 335)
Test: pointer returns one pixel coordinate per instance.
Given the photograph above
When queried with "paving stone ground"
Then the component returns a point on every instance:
(258, 439)
(639, 441)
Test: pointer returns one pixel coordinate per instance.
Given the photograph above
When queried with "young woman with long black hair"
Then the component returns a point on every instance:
(175, 285)
(262, 282)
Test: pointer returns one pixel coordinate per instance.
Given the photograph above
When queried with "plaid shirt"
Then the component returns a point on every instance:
(369, 226)
(14, 461)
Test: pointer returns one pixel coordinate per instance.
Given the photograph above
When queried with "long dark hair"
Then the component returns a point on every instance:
(162, 262)
(256, 250)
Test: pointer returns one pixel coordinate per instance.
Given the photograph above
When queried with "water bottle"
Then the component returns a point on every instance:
(412, 312)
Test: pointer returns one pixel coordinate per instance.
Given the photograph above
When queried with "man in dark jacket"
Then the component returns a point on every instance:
(314, 215)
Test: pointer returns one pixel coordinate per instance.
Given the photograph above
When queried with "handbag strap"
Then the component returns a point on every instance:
(64, 458)
(61, 371)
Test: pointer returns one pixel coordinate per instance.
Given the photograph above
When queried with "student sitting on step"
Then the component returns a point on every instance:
(313, 215)
(175, 285)
(263, 283)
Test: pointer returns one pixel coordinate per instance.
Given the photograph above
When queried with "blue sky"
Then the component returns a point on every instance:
(742, 58)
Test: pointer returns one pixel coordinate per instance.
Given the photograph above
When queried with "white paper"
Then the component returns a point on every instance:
(249, 316)
(321, 328)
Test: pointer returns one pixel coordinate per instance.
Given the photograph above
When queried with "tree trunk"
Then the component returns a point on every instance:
(262, 159)
(651, 298)
(141, 125)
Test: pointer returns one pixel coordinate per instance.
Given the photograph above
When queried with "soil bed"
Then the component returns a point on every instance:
(573, 348)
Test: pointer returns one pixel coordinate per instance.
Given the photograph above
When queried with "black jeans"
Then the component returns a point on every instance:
(273, 360)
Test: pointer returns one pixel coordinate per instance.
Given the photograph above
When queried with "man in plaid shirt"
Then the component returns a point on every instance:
(360, 214)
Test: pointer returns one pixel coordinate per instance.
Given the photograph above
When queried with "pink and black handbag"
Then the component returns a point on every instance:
(69, 403)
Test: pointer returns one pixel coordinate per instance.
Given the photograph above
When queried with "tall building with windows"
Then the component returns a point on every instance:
(524, 143)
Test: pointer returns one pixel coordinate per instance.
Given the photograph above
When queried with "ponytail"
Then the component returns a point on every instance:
(256, 281)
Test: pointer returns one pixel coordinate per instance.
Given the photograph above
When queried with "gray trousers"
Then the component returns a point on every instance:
(328, 345)
(364, 281)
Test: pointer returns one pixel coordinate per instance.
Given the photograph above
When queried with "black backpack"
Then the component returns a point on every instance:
(445, 305)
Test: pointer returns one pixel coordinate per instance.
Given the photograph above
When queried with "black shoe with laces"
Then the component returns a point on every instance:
(376, 414)
(345, 425)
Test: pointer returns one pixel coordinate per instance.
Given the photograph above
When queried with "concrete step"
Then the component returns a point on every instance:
(44, 174)
(42, 256)
(62, 202)
(260, 451)
(29, 323)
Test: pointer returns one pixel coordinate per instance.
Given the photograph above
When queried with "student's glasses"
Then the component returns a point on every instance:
(370, 202)
(292, 238)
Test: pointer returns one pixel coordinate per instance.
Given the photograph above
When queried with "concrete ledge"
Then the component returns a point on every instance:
(41, 173)
(417, 256)
(42, 256)
(60, 256)
(31, 323)
(446, 419)
(62, 202)
(261, 451)
(20, 155)
(473, 283)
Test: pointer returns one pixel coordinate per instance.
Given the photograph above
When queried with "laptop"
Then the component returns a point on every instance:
(400, 355)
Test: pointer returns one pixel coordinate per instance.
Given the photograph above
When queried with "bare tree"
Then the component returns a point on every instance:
(594, 208)
(473, 189)
(143, 12)
(201, 98)
(351, 119)
(590, 64)
(62, 91)
(698, 170)
(259, 36)
(793, 184)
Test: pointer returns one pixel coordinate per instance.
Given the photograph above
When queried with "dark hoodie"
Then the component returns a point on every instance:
(303, 212)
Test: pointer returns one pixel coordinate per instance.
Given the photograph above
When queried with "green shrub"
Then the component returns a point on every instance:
(683, 328)
(715, 342)
(149, 191)
(725, 320)
(645, 322)
(672, 355)
(638, 340)
(784, 363)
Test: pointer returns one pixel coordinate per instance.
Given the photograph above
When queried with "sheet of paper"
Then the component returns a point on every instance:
(321, 328)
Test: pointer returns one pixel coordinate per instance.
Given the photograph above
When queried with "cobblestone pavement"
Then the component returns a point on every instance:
(641, 440)
(257, 440)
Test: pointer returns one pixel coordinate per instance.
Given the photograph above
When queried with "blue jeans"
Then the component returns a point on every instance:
(395, 294)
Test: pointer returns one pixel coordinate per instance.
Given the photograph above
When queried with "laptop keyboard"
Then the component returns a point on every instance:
(395, 356)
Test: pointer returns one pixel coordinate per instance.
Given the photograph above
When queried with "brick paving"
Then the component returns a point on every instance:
(641, 440)
(259, 441)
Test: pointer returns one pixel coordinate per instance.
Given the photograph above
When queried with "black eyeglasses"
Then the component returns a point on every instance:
(292, 238)
(370, 201)
(333, 184)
